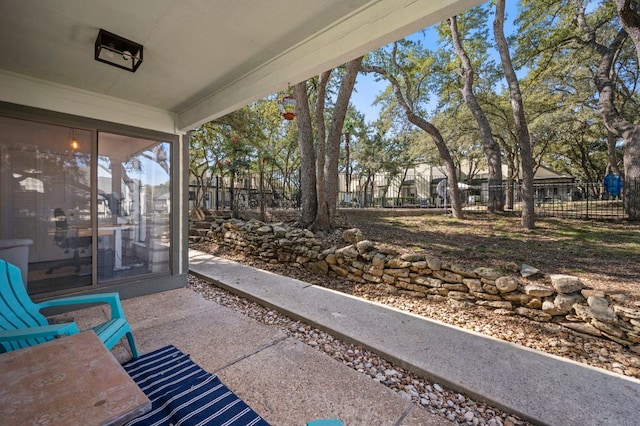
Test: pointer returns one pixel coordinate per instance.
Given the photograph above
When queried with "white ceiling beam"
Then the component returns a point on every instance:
(29, 91)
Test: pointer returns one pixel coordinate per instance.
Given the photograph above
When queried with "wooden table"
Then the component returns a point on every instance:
(74, 380)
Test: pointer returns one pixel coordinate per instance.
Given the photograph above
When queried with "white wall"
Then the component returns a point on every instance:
(22, 90)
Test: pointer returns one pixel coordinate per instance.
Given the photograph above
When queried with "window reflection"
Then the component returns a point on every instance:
(45, 198)
(133, 206)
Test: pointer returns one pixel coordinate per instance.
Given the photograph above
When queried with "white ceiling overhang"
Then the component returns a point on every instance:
(202, 58)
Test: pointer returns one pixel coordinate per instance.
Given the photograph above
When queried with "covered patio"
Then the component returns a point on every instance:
(258, 354)
(89, 148)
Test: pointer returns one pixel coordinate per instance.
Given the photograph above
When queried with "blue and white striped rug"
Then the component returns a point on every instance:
(182, 393)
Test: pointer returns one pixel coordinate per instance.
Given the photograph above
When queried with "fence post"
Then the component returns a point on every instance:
(217, 193)
(587, 192)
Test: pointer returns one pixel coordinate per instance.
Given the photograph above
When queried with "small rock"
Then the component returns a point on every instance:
(586, 292)
(566, 284)
(564, 302)
(487, 273)
(619, 297)
(599, 310)
(364, 246)
(538, 290)
(506, 284)
(533, 314)
(412, 257)
(266, 229)
(353, 235)
(433, 263)
(527, 270)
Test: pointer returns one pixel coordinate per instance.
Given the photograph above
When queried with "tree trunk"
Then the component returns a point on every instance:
(445, 155)
(490, 146)
(263, 215)
(335, 135)
(399, 197)
(517, 106)
(632, 175)
(309, 200)
(322, 220)
(443, 150)
(347, 169)
(364, 202)
(612, 158)
(223, 195)
(197, 201)
(613, 120)
(232, 195)
(630, 20)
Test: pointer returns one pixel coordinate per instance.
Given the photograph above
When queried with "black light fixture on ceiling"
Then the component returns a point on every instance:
(118, 51)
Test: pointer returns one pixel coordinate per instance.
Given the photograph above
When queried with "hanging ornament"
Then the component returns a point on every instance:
(289, 108)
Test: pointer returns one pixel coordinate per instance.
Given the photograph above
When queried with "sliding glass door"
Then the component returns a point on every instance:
(81, 208)
(133, 203)
(46, 203)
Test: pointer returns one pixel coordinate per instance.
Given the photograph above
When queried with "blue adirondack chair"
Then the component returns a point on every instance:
(22, 324)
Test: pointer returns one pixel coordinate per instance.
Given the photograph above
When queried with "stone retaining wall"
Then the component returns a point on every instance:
(566, 301)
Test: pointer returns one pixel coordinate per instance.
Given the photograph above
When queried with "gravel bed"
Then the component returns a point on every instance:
(448, 404)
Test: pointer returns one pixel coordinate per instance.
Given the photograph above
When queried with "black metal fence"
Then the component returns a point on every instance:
(568, 200)
(579, 201)
(245, 194)
(562, 199)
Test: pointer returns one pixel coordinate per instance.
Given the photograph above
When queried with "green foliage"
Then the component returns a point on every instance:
(556, 68)
(252, 139)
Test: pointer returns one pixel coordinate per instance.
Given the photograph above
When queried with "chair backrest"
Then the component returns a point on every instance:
(60, 236)
(17, 311)
(60, 219)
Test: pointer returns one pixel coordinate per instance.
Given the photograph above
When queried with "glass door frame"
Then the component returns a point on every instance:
(178, 172)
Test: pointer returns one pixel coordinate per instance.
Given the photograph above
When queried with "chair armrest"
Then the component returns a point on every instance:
(113, 299)
(44, 331)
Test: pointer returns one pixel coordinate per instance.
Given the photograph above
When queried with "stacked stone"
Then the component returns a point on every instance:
(275, 242)
(566, 301)
(200, 221)
(598, 317)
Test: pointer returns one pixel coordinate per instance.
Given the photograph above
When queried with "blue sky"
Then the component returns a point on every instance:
(364, 94)
(367, 89)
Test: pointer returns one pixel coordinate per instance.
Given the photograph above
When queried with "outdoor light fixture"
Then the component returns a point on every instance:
(118, 51)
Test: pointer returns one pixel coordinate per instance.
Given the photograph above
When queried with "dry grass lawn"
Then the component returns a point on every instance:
(605, 255)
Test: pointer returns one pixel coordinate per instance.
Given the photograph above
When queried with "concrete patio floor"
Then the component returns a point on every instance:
(281, 378)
